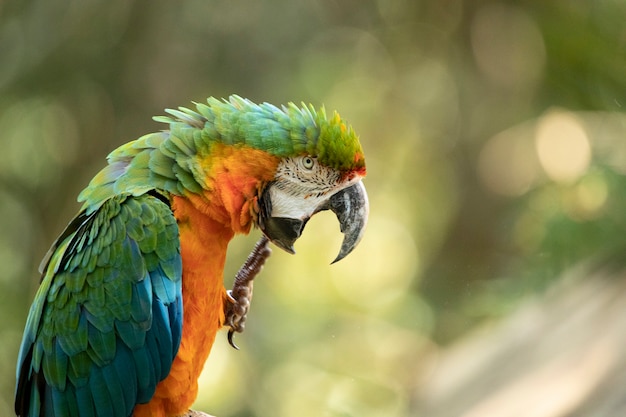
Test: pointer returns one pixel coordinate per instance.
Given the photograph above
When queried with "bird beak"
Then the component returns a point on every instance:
(350, 205)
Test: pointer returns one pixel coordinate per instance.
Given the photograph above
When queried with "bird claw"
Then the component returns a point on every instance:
(239, 298)
(237, 311)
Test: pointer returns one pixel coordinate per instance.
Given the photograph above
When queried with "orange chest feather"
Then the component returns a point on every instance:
(203, 243)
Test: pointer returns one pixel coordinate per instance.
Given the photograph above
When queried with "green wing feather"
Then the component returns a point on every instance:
(106, 322)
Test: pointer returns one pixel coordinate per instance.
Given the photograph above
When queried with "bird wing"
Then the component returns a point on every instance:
(106, 321)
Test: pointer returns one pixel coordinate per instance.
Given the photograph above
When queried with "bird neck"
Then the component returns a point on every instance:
(234, 177)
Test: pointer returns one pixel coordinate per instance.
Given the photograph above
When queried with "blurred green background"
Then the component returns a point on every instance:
(495, 138)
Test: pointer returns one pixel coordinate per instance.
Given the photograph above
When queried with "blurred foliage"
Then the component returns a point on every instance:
(494, 132)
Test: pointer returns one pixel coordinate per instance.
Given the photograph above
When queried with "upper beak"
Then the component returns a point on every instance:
(350, 205)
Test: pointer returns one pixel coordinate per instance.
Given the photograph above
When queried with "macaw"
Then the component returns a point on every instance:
(132, 292)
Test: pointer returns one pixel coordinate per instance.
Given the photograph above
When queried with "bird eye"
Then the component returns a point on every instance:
(308, 162)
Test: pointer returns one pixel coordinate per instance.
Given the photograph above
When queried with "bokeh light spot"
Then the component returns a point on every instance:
(588, 198)
(562, 146)
(593, 193)
(507, 163)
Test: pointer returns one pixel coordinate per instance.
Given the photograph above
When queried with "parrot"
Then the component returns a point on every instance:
(132, 292)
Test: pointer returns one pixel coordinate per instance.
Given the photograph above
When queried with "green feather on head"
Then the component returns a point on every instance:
(167, 160)
(286, 131)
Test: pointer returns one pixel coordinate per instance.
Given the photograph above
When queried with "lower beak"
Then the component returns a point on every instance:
(350, 205)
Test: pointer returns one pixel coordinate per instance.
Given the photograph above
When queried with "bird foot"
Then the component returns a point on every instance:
(240, 296)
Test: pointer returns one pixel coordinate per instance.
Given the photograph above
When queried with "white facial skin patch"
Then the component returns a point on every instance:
(301, 185)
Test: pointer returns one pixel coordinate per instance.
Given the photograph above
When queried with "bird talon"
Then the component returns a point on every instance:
(240, 296)
(231, 333)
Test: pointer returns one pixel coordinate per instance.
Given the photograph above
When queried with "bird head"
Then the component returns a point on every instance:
(327, 175)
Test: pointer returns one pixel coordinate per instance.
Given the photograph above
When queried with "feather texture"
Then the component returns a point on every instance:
(93, 328)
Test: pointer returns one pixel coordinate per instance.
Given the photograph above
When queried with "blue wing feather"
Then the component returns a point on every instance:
(60, 401)
(145, 374)
(102, 400)
(124, 364)
(84, 402)
(115, 389)
(106, 322)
